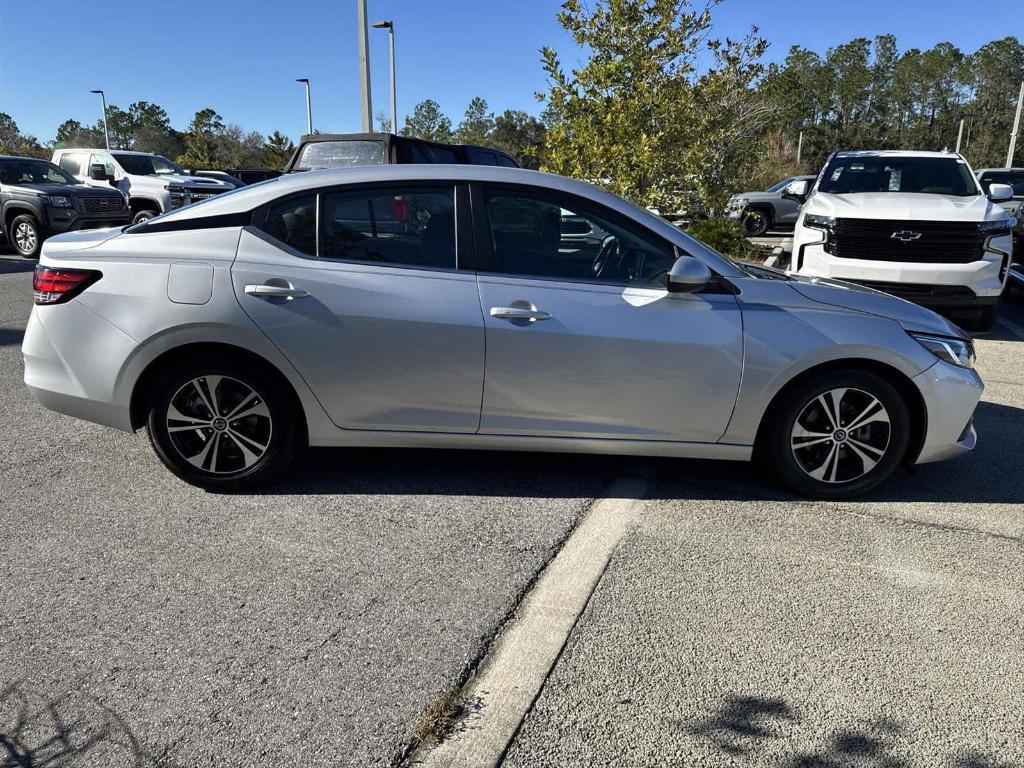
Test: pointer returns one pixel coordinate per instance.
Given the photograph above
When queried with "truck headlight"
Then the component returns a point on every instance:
(956, 351)
(814, 221)
(997, 227)
(58, 201)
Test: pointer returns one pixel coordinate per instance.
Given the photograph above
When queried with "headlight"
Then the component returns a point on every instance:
(58, 201)
(956, 351)
(819, 222)
(997, 227)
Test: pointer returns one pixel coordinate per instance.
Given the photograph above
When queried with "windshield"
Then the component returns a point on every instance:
(27, 171)
(1014, 178)
(924, 175)
(780, 184)
(146, 165)
(338, 154)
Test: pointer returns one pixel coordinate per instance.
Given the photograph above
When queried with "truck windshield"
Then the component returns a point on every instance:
(925, 175)
(33, 172)
(338, 154)
(146, 165)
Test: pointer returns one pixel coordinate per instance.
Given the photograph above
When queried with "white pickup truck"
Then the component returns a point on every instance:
(913, 224)
(153, 183)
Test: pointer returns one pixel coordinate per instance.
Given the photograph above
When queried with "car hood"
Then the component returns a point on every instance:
(78, 240)
(906, 206)
(194, 181)
(859, 298)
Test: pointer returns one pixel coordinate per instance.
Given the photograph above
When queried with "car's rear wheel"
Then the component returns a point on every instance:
(26, 235)
(222, 425)
(838, 434)
(755, 222)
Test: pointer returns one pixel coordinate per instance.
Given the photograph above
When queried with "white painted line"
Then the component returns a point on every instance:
(510, 678)
(1012, 327)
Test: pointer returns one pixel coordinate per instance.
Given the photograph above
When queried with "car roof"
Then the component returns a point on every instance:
(103, 149)
(20, 157)
(895, 153)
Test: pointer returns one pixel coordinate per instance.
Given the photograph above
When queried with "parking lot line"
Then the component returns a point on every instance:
(502, 691)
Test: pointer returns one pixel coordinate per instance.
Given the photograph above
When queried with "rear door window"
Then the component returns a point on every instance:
(293, 222)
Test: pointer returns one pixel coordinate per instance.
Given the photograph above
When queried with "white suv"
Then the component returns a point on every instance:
(913, 224)
(153, 183)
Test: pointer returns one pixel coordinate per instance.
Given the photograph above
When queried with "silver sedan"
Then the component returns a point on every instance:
(480, 308)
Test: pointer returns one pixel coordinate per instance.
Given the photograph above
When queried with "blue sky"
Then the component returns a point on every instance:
(241, 56)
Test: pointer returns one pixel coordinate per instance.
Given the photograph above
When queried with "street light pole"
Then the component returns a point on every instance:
(390, 26)
(106, 132)
(364, 66)
(309, 107)
(1016, 127)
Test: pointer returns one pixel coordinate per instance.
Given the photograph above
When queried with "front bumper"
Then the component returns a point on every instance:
(951, 395)
(69, 220)
(971, 284)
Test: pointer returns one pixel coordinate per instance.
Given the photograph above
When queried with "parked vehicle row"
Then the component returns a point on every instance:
(772, 209)
(374, 306)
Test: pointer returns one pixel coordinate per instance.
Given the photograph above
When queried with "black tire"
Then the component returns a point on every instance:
(223, 447)
(145, 213)
(26, 236)
(756, 222)
(794, 456)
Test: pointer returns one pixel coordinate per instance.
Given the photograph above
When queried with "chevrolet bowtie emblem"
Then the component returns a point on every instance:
(905, 235)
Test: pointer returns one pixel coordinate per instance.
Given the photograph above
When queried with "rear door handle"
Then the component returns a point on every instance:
(519, 313)
(275, 291)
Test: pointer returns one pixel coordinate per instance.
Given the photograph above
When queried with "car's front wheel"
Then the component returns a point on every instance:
(26, 235)
(144, 215)
(838, 434)
(222, 425)
(755, 222)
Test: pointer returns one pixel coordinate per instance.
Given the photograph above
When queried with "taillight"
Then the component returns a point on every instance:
(55, 286)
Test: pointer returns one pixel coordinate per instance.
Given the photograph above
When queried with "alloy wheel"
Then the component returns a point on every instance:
(219, 424)
(25, 237)
(841, 435)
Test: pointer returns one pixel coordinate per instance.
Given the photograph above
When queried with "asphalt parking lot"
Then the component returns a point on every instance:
(144, 622)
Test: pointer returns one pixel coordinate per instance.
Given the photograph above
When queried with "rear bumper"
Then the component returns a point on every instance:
(78, 379)
(951, 395)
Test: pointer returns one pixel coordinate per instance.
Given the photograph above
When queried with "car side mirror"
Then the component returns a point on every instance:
(797, 188)
(1000, 193)
(688, 275)
(98, 172)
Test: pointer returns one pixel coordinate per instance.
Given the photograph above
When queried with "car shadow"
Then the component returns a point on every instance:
(10, 337)
(12, 265)
(988, 474)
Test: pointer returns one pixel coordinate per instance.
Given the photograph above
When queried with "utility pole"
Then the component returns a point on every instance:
(106, 131)
(959, 135)
(364, 66)
(1016, 127)
(309, 106)
(799, 147)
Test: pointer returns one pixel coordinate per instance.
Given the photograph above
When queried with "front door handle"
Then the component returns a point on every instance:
(266, 290)
(519, 313)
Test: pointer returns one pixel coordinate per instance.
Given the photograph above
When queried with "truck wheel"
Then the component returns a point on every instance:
(755, 222)
(26, 236)
(142, 215)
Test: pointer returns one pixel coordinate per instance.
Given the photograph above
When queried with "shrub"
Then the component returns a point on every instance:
(724, 235)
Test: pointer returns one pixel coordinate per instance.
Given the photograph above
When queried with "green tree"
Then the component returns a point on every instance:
(521, 135)
(14, 142)
(477, 125)
(427, 121)
(277, 150)
(201, 149)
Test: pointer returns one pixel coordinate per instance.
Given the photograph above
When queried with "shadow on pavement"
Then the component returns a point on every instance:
(10, 337)
(16, 265)
(986, 475)
(742, 724)
(73, 729)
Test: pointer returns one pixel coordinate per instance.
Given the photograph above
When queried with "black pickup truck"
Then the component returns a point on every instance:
(337, 150)
(39, 199)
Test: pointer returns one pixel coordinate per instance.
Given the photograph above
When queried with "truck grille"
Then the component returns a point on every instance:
(938, 242)
(102, 205)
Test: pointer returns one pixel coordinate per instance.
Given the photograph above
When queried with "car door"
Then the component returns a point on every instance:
(361, 289)
(584, 339)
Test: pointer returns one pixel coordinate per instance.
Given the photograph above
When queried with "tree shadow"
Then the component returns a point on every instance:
(981, 476)
(10, 337)
(743, 721)
(72, 729)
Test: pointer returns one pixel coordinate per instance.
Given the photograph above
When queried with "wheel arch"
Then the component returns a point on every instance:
(146, 381)
(903, 384)
(138, 203)
(16, 208)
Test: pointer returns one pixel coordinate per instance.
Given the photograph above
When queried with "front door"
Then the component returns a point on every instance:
(370, 306)
(583, 339)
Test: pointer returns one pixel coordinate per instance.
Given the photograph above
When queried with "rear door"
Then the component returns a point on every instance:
(361, 289)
